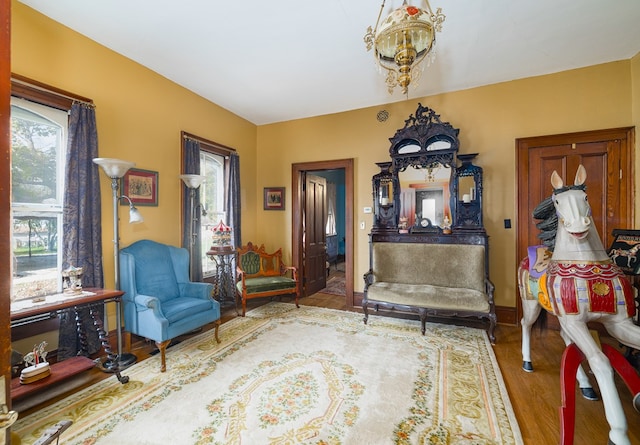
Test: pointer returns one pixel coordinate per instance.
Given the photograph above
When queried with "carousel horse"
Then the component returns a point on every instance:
(579, 283)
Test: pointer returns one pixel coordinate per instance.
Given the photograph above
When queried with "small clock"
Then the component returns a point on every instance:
(424, 222)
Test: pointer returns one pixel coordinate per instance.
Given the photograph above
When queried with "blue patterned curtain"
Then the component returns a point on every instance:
(233, 199)
(82, 228)
(192, 167)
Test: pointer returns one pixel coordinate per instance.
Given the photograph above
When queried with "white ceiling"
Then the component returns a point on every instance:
(282, 60)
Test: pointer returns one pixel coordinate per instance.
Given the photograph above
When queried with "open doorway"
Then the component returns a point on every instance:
(339, 172)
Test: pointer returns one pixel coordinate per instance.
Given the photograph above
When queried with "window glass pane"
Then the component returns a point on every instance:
(38, 143)
(36, 147)
(212, 198)
(35, 256)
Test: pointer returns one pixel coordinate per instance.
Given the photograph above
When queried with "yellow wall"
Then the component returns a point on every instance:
(490, 119)
(140, 116)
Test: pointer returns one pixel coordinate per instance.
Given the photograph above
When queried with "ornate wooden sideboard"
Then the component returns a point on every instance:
(429, 195)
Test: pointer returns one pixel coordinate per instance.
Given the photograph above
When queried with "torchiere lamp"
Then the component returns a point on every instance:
(116, 169)
(193, 182)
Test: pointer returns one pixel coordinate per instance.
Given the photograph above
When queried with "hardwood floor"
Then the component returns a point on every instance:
(535, 396)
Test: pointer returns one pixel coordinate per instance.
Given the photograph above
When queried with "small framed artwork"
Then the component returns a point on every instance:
(625, 250)
(140, 186)
(274, 198)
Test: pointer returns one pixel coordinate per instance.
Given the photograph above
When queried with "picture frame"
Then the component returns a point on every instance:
(274, 198)
(140, 186)
(625, 250)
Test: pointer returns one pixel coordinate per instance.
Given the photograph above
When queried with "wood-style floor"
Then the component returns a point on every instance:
(535, 396)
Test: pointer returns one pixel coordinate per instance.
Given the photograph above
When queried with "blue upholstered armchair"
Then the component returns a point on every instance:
(160, 303)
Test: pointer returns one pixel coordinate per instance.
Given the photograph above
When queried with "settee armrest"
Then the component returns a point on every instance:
(489, 289)
(293, 270)
(240, 277)
(369, 279)
(196, 290)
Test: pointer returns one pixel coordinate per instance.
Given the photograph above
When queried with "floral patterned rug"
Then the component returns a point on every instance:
(300, 376)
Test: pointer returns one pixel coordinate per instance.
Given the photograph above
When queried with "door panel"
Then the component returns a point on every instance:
(315, 222)
(607, 158)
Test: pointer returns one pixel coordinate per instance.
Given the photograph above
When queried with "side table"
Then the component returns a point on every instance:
(224, 286)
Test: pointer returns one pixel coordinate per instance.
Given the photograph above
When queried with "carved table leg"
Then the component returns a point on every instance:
(113, 359)
(82, 335)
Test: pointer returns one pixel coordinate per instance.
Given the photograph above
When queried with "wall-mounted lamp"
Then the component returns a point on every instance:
(116, 169)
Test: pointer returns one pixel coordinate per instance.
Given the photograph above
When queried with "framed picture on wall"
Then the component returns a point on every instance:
(140, 186)
(625, 250)
(274, 198)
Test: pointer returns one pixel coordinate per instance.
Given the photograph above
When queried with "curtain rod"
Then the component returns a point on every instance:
(47, 89)
(194, 138)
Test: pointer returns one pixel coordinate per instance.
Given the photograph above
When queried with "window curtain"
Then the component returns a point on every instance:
(192, 167)
(82, 224)
(233, 199)
(331, 209)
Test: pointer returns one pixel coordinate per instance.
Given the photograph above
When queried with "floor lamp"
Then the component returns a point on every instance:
(116, 169)
(193, 182)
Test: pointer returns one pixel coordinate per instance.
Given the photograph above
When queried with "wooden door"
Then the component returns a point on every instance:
(5, 211)
(315, 222)
(607, 157)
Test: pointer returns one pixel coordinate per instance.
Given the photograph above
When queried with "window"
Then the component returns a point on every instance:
(212, 194)
(38, 145)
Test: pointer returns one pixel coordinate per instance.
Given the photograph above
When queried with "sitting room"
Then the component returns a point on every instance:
(149, 145)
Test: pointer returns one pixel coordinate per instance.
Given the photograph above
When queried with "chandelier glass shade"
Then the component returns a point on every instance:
(402, 40)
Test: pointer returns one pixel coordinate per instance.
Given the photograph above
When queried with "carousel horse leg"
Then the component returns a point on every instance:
(583, 380)
(530, 312)
(603, 372)
(628, 374)
(571, 359)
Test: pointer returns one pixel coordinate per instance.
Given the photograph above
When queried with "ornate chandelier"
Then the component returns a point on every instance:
(402, 41)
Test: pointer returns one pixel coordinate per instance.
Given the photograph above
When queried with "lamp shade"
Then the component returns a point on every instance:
(114, 168)
(134, 215)
(193, 181)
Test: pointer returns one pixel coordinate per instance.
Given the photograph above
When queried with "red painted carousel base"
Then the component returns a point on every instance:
(571, 359)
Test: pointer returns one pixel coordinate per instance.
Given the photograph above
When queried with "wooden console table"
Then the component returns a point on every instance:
(65, 369)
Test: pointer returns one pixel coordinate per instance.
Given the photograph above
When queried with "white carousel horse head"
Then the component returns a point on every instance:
(577, 238)
(581, 285)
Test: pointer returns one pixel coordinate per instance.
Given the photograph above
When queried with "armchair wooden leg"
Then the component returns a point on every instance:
(162, 347)
(218, 323)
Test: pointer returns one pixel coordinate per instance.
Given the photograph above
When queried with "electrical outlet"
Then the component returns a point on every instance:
(507, 223)
(367, 210)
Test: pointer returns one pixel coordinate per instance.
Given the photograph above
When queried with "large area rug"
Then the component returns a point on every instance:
(300, 376)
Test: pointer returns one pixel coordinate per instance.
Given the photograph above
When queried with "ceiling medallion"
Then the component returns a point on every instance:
(402, 41)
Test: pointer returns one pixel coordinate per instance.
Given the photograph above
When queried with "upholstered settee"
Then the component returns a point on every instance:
(261, 274)
(432, 279)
